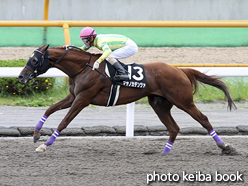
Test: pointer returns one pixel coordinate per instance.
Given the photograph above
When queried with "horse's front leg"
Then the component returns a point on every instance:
(63, 104)
(78, 104)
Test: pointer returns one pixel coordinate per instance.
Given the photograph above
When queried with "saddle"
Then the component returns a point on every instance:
(136, 72)
(137, 79)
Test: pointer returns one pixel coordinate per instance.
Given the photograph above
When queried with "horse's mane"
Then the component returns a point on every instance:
(63, 47)
(76, 50)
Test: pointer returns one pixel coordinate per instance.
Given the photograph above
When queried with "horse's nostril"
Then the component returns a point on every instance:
(20, 77)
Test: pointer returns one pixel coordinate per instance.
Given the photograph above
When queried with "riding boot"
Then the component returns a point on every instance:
(121, 73)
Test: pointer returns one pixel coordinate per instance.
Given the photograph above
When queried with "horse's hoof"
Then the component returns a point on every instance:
(229, 150)
(222, 146)
(36, 138)
(41, 148)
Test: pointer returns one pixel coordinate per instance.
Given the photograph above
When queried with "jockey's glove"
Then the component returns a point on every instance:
(96, 65)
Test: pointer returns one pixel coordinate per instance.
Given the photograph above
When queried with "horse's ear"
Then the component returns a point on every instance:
(46, 47)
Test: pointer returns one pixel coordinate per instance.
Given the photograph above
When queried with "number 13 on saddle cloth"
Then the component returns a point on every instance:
(137, 79)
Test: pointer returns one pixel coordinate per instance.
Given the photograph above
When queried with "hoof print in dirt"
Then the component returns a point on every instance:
(150, 152)
(229, 150)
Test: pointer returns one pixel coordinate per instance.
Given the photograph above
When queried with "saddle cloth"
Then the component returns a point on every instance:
(137, 79)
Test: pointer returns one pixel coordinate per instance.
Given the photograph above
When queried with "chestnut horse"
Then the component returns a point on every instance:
(165, 86)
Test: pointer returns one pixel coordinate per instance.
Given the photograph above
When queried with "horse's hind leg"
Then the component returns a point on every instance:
(162, 108)
(193, 111)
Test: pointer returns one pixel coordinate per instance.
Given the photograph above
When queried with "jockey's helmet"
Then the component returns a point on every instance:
(86, 32)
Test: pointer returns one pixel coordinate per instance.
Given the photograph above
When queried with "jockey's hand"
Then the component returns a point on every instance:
(96, 65)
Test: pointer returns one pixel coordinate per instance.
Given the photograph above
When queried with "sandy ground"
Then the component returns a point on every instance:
(122, 161)
(184, 55)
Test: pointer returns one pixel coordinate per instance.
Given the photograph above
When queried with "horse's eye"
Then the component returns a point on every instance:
(35, 60)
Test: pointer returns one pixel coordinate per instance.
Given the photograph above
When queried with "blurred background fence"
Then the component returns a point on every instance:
(126, 10)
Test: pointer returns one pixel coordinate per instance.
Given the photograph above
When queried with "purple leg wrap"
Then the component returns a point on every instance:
(52, 138)
(216, 138)
(167, 147)
(40, 123)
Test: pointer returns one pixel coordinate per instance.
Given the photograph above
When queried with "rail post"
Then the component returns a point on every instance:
(130, 119)
(67, 39)
(45, 18)
(66, 33)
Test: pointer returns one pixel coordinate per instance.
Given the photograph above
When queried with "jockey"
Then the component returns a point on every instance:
(114, 47)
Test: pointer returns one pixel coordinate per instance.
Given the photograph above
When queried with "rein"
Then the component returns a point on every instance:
(67, 50)
(98, 71)
(87, 65)
(113, 81)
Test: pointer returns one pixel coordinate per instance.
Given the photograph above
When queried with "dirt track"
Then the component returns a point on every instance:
(118, 161)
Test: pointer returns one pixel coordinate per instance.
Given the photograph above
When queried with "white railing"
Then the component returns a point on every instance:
(218, 71)
(15, 71)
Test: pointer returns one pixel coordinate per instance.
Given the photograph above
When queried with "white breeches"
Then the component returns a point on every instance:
(128, 50)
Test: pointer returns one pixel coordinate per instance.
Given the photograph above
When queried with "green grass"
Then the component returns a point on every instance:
(238, 88)
(13, 63)
(41, 99)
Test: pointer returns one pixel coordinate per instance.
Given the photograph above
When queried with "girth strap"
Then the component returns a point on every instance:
(114, 95)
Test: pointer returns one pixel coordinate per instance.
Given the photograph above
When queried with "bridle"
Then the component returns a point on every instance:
(41, 63)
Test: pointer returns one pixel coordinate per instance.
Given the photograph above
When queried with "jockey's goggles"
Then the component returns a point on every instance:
(85, 41)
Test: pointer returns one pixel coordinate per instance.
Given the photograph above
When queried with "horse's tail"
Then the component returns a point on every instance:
(195, 76)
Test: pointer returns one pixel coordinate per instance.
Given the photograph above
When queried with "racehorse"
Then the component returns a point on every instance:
(165, 86)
